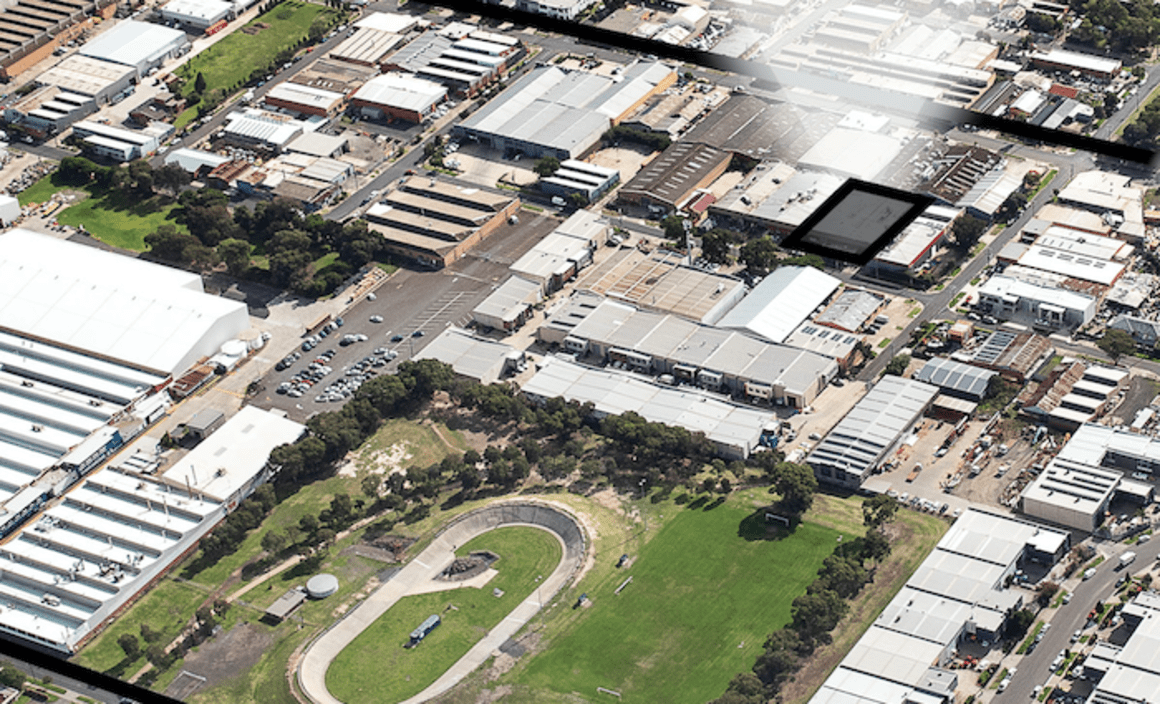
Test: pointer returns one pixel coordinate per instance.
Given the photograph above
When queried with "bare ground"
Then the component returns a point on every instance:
(224, 657)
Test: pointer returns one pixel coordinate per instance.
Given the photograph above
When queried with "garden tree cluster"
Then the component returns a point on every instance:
(1143, 130)
(546, 166)
(291, 242)
(1045, 592)
(1019, 623)
(813, 616)
(1116, 343)
(966, 231)
(878, 510)
(11, 677)
(759, 255)
(715, 245)
(623, 133)
(138, 179)
(898, 365)
(675, 228)
(1123, 27)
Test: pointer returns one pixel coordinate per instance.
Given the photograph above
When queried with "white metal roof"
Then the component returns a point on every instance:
(392, 22)
(402, 92)
(478, 358)
(860, 440)
(509, 299)
(736, 427)
(1079, 60)
(85, 75)
(263, 127)
(234, 454)
(852, 153)
(1070, 264)
(781, 302)
(193, 159)
(305, 95)
(204, 10)
(110, 304)
(1004, 286)
(134, 43)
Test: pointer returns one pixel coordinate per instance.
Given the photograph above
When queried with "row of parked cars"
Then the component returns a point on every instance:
(316, 339)
(314, 372)
(356, 375)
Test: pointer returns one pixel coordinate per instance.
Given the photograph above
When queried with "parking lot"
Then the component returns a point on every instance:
(413, 306)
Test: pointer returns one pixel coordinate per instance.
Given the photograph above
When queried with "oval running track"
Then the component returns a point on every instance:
(417, 576)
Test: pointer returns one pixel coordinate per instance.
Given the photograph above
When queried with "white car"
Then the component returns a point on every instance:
(1089, 573)
(376, 318)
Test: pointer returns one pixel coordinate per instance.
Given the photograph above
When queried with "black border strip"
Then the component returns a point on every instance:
(932, 114)
(93, 678)
(797, 239)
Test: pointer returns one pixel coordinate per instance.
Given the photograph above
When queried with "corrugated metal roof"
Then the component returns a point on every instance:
(134, 43)
(781, 302)
(963, 378)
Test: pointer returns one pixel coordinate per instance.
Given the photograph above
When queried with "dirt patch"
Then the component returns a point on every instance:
(608, 499)
(255, 28)
(389, 461)
(487, 696)
(228, 655)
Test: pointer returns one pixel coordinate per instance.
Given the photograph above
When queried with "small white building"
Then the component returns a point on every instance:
(199, 14)
(9, 210)
(509, 306)
(781, 302)
(1010, 298)
(398, 96)
(560, 9)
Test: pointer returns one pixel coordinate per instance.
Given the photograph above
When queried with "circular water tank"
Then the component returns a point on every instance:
(321, 586)
(234, 348)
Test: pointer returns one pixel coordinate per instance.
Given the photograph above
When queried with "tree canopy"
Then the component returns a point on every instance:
(1116, 343)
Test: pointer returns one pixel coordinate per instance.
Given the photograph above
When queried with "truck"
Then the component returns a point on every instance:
(1127, 559)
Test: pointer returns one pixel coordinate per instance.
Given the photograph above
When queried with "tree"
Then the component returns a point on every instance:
(875, 546)
(715, 245)
(759, 255)
(967, 230)
(1045, 592)
(171, 177)
(547, 166)
(274, 542)
(844, 575)
(1116, 343)
(674, 227)
(199, 83)
(898, 365)
(796, 484)
(169, 244)
(878, 510)
(815, 615)
(130, 645)
(11, 677)
(1019, 622)
(236, 255)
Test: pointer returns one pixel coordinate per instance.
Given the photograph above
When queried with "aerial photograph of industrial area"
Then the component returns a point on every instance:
(579, 351)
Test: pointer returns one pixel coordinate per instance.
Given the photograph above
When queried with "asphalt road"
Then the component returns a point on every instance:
(1033, 669)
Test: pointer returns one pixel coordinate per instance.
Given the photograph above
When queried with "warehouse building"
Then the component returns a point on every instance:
(911, 250)
(777, 199)
(259, 129)
(87, 558)
(1088, 473)
(781, 302)
(333, 75)
(197, 14)
(1073, 394)
(748, 126)
(1128, 672)
(509, 306)
(115, 143)
(735, 431)
(317, 144)
(1068, 61)
(436, 221)
(62, 293)
(841, 346)
(195, 161)
(305, 100)
(476, 358)
(712, 358)
(956, 379)
(1042, 306)
(1072, 265)
(852, 153)
(48, 110)
(660, 281)
(313, 182)
(1112, 197)
(31, 31)
(93, 78)
(574, 176)
(866, 436)
(852, 309)
(367, 46)
(140, 45)
(669, 180)
(400, 97)
(959, 591)
(560, 9)
(1015, 355)
(553, 112)
(464, 63)
(560, 255)
(958, 169)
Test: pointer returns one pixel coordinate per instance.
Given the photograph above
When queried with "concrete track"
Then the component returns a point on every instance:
(417, 576)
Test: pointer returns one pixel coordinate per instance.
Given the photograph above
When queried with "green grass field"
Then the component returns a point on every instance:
(376, 667)
(114, 218)
(231, 61)
(701, 602)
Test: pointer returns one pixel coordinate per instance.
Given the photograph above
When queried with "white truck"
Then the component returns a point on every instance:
(1127, 559)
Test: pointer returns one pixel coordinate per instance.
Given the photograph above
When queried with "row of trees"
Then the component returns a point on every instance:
(139, 179)
(817, 612)
(1123, 27)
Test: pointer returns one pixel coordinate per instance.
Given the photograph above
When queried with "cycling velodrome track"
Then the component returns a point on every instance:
(418, 577)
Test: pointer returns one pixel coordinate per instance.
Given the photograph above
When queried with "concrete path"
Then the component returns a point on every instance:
(416, 577)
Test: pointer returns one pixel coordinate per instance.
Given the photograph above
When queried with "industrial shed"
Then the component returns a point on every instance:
(91, 77)
(477, 358)
(561, 254)
(552, 112)
(142, 45)
(195, 161)
(396, 96)
(781, 302)
(866, 436)
(111, 306)
(734, 430)
(198, 14)
(851, 309)
(674, 176)
(1015, 355)
(87, 557)
(509, 306)
(955, 378)
(305, 100)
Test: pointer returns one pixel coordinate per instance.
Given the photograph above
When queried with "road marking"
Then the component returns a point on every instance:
(424, 566)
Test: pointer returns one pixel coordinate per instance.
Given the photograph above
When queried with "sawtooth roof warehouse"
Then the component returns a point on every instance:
(88, 341)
